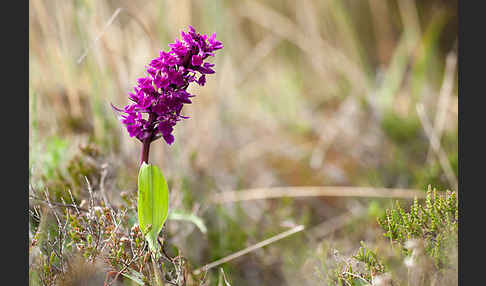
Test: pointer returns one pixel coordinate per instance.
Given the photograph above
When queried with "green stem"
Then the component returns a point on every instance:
(158, 280)
(146, 143)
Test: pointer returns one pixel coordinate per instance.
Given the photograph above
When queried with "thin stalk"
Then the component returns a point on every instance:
(146, 143)
(145, 150)
(158, 280)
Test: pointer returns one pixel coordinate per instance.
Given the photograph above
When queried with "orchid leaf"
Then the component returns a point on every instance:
(153, 203)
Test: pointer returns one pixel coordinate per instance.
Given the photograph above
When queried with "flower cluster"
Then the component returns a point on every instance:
(159, 97)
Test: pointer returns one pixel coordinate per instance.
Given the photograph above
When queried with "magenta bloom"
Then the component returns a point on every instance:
(159, 97)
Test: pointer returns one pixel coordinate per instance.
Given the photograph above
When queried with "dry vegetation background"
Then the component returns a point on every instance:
(306, 93)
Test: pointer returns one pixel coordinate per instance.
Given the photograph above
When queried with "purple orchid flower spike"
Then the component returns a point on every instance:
(159, 97)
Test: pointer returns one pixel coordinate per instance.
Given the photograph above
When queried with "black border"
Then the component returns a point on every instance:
(15, 134)
(471, 196)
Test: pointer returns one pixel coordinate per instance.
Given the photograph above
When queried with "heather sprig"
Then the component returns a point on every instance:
(435, 223)
(159, 97)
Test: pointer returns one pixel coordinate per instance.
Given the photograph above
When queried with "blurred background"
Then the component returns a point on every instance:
(334, 93)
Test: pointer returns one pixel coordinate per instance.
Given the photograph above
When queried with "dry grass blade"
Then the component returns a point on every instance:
(104, 172)
(435, 144)
(250, 249)
(316, 232)
(410, 18)
(110, 21)
(222, 277)
(445, 96)
(279, 192)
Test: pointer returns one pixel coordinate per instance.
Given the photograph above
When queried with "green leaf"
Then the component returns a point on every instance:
(153, 203)
(181, 215)
(135, 276)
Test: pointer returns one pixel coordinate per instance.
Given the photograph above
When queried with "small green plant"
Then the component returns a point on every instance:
(360, 269)
(371, 261)
(427, 240)
(435, 223)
